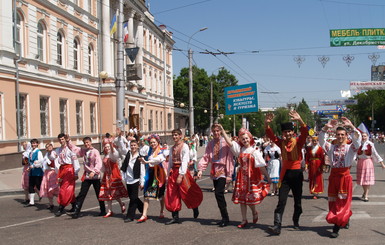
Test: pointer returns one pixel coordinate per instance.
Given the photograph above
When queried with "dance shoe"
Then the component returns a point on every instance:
(142, 219)
(123, 207)
(243, 224)
(109, 214)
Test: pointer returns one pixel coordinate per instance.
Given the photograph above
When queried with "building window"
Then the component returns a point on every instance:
(40, 41)
(90, 6)
(150, 122)
(76, 54)
(141, 118)
(63, 116)
(23, 115)
(161, 120)
(59, 47)
(1, 116)
(156, 121)
(93, 117)
(79, 117)
(90, 59)
(17, 36)
(169, 120)
(44, 116)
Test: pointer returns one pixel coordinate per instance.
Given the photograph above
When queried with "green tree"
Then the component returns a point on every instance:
(305, 113)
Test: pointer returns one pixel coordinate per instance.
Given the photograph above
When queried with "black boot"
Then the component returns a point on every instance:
(102, 209)
(175, 219)
(225, 218)
(196, 212)
(276, 229)
(335, 234)
(76, 213)
(296, 215)
(60, 211)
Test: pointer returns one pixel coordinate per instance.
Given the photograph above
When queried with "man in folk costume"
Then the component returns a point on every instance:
(341, 155)
(291, 175)
(315, 163)
(67, 165)
(181, 184)
(92, 172)
(218, 153)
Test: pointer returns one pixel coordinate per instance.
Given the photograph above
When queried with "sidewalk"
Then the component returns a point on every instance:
(10, 179)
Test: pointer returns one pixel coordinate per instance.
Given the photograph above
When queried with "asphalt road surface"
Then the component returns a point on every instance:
(36, 225)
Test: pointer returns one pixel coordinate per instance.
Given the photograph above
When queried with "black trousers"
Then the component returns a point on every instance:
(219, 185)
(84, 190)
(291, 181)
(34, 181)
(135, 202)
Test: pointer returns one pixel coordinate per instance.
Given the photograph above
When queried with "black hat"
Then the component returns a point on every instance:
(287, 126)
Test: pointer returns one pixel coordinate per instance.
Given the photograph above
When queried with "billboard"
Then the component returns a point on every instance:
(357, 37)
(241, 99)
(337, 102)
(371, 85)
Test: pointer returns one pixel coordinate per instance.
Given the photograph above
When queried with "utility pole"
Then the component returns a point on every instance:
(211, 103)
(191, 102)
(120, 86)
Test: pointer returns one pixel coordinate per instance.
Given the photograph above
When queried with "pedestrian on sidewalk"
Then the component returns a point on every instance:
(181, 184)
(91, 176)
(35, 168)
(219, 155)
(291, 175)
(341, 155)
(67, 166)
(49, 186)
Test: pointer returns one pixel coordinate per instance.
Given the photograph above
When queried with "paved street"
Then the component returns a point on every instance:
(19, 225)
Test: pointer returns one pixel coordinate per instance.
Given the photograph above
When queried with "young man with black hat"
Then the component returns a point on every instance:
(291, 175)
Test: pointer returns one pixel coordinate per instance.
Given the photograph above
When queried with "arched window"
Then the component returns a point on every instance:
(60, 48)
(90, 59)
(40, 41)
(18, 34)
(76, 54)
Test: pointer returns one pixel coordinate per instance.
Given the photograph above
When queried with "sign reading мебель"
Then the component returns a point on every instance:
(357, 37)
(370, 85)
(241, 99)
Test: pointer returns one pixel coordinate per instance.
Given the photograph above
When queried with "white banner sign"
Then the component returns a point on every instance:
(337, 102)
(371, 85)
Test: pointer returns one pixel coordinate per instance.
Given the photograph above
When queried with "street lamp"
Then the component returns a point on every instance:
(191, 101)
(103, 75)
(211, 98)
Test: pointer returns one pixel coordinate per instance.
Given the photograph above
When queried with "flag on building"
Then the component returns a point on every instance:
(345, 93)
(125, 32)
(217, 106)
(114, 25)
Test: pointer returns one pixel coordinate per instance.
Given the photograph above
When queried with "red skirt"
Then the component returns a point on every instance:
(67, 185)
(49, 186)
(188, 191)
(316, 182)
(112, 187)
(340, 196)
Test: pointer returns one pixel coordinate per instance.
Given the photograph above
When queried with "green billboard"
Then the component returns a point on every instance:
(357, 37)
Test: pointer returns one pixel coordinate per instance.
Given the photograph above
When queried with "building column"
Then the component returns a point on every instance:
(106, 39)
(139, 36)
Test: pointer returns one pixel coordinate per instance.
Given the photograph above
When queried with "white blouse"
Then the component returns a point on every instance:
(236, 149)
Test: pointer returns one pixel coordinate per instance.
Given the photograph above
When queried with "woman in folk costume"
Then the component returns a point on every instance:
(49, 185)
(367, 154)
(155, 178)
(25, 175)
(250, 188)
(112, 187)
(193, 158)
(272, 156)
(341, 155)
(315, 162)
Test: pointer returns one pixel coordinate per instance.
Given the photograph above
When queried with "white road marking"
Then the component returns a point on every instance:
(356, 216)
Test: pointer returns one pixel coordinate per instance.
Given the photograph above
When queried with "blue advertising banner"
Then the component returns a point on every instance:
(241, 99)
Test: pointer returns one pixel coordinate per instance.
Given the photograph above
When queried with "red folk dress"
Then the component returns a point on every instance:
(315, 161)
(250, 189)
(112, 187)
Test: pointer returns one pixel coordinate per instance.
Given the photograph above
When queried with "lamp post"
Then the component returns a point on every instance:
(191, 101)
(211, 99)
(103, 76)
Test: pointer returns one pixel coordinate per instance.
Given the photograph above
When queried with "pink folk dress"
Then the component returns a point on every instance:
(49, 185)
(366, 154)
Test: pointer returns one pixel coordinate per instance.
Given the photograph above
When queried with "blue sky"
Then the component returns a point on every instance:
(265, 36)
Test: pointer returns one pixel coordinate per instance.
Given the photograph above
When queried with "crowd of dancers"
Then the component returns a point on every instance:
(169, 174)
